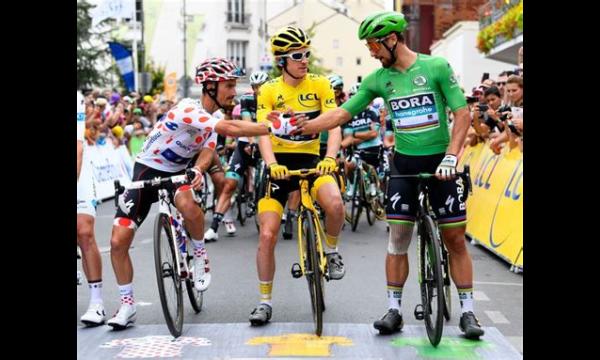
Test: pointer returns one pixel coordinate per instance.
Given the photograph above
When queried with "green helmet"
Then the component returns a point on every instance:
(380, 24)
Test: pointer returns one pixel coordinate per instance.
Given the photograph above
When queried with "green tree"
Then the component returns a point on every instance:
(89, 54)
(158, 76)
(314, 62)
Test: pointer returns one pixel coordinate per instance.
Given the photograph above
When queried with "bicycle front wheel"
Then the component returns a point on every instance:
(432, 280)
(195, 296)
(313, 272)
(167, 276)
(357, 199)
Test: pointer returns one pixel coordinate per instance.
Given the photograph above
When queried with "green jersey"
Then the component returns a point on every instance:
(416, 101)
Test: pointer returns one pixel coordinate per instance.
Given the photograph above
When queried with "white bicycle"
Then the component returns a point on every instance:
(173, 258)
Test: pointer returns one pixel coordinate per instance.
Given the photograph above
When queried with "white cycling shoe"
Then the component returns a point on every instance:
(230, 228)
(125, 317)
(94, 316)
(201, 272)
(210, 235)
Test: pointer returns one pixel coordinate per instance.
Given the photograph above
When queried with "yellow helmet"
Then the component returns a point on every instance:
(288, 38)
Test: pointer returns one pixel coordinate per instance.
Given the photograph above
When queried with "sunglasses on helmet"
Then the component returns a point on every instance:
(298, 56)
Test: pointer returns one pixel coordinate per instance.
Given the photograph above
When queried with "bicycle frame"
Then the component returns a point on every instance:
(306, 203)
(178, 233)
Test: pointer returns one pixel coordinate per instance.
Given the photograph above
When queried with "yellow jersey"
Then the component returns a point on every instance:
(313, 96)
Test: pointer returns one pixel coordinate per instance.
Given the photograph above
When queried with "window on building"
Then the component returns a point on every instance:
(336, 43)
(236, 52)
(339, 61)
(357, 61)
(235, 11)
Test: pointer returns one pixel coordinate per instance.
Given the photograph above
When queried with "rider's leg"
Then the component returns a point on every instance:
(193, 217)
(217, 176)
(327, 193)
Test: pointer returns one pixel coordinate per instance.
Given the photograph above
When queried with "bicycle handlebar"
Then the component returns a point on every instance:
(302, 172)
(152, 183)
(465, 174)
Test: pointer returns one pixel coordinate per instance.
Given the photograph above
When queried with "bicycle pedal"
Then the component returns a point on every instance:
(419, 313)
(296, 271)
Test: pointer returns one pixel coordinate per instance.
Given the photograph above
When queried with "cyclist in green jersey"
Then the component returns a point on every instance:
(416, 88)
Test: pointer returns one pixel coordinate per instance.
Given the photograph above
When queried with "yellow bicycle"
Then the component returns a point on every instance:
(313, 263)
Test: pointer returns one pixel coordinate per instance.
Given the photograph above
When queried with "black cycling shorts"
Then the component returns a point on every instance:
(239, 162)
(446, 197)
(135, 204)
(371, 156)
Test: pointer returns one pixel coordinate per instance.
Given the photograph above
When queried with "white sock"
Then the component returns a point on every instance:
(394, 294)
(198, 245)
(466, 299)
(126, 292)
(266, 288)
(95, 292)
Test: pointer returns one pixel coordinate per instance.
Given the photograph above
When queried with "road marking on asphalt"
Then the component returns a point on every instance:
(480, 296)
(497, 317)
(496, 283)
(142, 303)
(517, 342)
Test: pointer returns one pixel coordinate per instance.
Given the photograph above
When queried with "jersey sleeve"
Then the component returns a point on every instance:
(264, 103)
(449, 87)
(327, 95)
(366, 93)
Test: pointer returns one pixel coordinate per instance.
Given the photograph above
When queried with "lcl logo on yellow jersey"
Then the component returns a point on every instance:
(304, 98)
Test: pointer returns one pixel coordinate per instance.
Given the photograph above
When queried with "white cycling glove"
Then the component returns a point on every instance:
(447, 168)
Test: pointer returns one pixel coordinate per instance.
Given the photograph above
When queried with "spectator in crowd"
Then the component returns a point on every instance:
(137, 137)
(485, 116)
(513, 121)
(163, 108)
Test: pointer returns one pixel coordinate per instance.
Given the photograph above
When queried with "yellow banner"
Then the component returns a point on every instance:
(495, 208)
(170, 86)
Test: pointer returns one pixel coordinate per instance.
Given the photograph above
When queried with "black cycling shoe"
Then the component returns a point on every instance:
(260, 315)
(288, 227)
(470, 326)
(389, 323)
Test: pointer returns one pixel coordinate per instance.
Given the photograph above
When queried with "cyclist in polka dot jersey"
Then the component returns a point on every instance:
(189, 128)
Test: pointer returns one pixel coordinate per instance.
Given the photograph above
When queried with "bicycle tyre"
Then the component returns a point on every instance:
(196, 297)
(447, 284)
(313, 273)
(432, 281)
(357, 200)
(166, 269)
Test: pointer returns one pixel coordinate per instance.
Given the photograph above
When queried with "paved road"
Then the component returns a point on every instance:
(353, 303)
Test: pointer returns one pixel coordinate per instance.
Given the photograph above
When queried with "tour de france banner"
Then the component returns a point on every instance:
(495, 208)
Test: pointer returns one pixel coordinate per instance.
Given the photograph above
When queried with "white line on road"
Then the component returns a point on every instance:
(480, 296)
(496, 283)
(142, 303)
(517, 342)
(497, 317)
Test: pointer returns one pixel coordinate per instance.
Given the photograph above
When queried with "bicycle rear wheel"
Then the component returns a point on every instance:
(313, 272)
(432, 281)
(169, 283)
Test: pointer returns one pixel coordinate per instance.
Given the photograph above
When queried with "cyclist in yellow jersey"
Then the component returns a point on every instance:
(306, 95)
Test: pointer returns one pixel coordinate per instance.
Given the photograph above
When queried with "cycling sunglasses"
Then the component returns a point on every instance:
(298, 56)
(375, 45)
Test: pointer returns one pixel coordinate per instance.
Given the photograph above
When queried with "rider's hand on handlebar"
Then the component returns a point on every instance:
(197, 181)
(326, 166)
(447, 168)
(278, 172)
